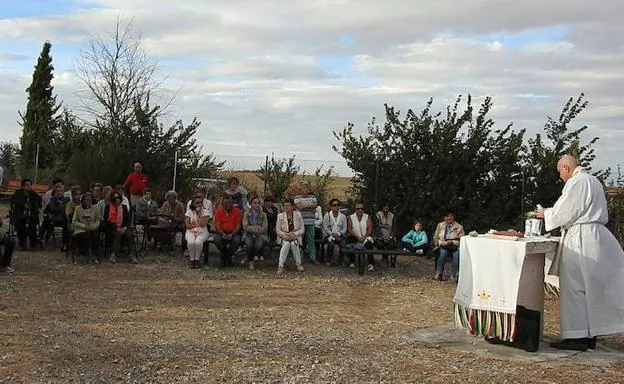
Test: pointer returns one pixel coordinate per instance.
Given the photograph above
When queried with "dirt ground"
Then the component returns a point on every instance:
(160, 322)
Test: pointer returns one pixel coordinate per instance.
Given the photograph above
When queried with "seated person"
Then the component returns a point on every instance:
(416, 240)
(207, 204)
(6, 254)
(86, 227)
(271, 211)
(290, 229)
(45, 199)
(446, 238)
(255, 226)
(335, 230)
(54, 216)
(25, 206)
(196, 223)
(228, 222)
(359, 232)
(96, 192)
(385, 238)
(146, 209)
(117, 227)
(74, 202)
(233, 191)
(170, 218)
(106, 193)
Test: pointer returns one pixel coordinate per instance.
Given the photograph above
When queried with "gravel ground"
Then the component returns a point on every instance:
(160, 322)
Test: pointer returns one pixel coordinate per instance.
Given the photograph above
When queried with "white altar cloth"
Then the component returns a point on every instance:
(495, 275)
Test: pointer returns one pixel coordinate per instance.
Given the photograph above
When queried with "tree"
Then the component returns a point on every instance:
(117, 73)
(71, 137)
(320, 183)
(109, 157)
(425, 163)
(277, 175)
(9, 157)
(543, 185)
(39, 122)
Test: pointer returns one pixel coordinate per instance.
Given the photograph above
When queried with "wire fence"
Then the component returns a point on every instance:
(306, 166)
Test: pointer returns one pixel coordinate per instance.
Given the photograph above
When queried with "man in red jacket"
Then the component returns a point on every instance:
(135, 184)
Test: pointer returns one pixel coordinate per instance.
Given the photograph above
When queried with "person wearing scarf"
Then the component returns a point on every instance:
(255, 226)
(117, 225)
(85, 225)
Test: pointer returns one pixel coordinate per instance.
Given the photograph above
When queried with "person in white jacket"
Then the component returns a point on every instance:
(289, 229)
(591, 269)
(335, 230)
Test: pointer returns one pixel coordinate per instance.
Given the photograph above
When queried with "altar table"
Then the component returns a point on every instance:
(495, 276)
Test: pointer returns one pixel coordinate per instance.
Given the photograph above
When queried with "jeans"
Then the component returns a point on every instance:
(342, 243)
(255, 246)
(227, 247)
(117, 237)
(88, 240)
(7, 254)
(309, 241)
(444, 254)
(286, 247)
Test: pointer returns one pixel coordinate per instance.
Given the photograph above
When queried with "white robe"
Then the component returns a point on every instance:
(591, 275)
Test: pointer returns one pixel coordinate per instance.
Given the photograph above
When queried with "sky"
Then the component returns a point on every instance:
(279, 76)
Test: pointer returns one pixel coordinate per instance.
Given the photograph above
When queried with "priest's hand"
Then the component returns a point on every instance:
(539, 214)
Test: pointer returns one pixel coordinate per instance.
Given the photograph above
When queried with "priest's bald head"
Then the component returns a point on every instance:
(566, 166)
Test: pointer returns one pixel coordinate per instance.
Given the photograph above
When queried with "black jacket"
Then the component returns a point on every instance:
(25, 204)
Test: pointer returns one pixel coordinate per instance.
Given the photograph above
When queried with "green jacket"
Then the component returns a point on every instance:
(83, 222)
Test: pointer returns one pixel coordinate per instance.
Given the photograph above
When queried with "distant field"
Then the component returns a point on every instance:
(338, 188)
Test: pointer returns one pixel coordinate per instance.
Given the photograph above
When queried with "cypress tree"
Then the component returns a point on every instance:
(39, 122)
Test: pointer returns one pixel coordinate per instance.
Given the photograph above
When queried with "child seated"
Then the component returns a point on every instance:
(416, 240)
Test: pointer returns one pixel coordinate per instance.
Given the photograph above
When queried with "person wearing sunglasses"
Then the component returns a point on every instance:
(335, 230)
(360, 230)
(196, 223)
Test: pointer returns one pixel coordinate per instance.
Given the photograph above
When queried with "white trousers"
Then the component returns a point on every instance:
(195, 244)
(286, 247)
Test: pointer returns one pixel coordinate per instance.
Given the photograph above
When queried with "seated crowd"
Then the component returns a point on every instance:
(298, 227)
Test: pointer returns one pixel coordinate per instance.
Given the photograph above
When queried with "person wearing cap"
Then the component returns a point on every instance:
(306, 203)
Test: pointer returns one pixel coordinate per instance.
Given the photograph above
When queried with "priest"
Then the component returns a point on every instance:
(591, 270)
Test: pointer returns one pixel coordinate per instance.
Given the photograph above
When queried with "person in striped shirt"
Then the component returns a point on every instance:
(306, 203)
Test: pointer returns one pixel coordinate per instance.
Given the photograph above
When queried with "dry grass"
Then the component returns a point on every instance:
(160, 322)
(338, 188)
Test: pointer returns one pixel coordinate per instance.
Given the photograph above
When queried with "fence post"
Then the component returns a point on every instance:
(522, 199)
(376, 184)
(266, 173)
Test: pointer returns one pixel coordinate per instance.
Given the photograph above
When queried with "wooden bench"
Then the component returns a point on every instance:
(14, 185)
(360, 253)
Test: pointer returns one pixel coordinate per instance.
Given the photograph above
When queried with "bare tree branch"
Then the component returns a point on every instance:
(116, 73)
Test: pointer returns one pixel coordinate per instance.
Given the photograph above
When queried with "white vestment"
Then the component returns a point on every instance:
(591, 274)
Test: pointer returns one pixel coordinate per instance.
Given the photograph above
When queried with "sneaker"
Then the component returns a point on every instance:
(6, 270)
(280, 270)
(419, 252)
(134, 260)
(328, 264)
(244, 261)
(112, 259)
(300, 268)
(405, 250)
(261, 258)
(371, 268)
(251, 266)
(95, 261)
(256, 258)
(352, 265)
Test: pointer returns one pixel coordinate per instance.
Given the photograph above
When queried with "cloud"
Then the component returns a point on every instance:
(279, 77)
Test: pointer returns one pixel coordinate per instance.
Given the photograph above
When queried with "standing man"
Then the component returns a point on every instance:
(306, 203)
(135, 184)
(591, 270)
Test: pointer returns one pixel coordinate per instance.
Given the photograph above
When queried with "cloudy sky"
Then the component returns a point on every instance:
(279, 76)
